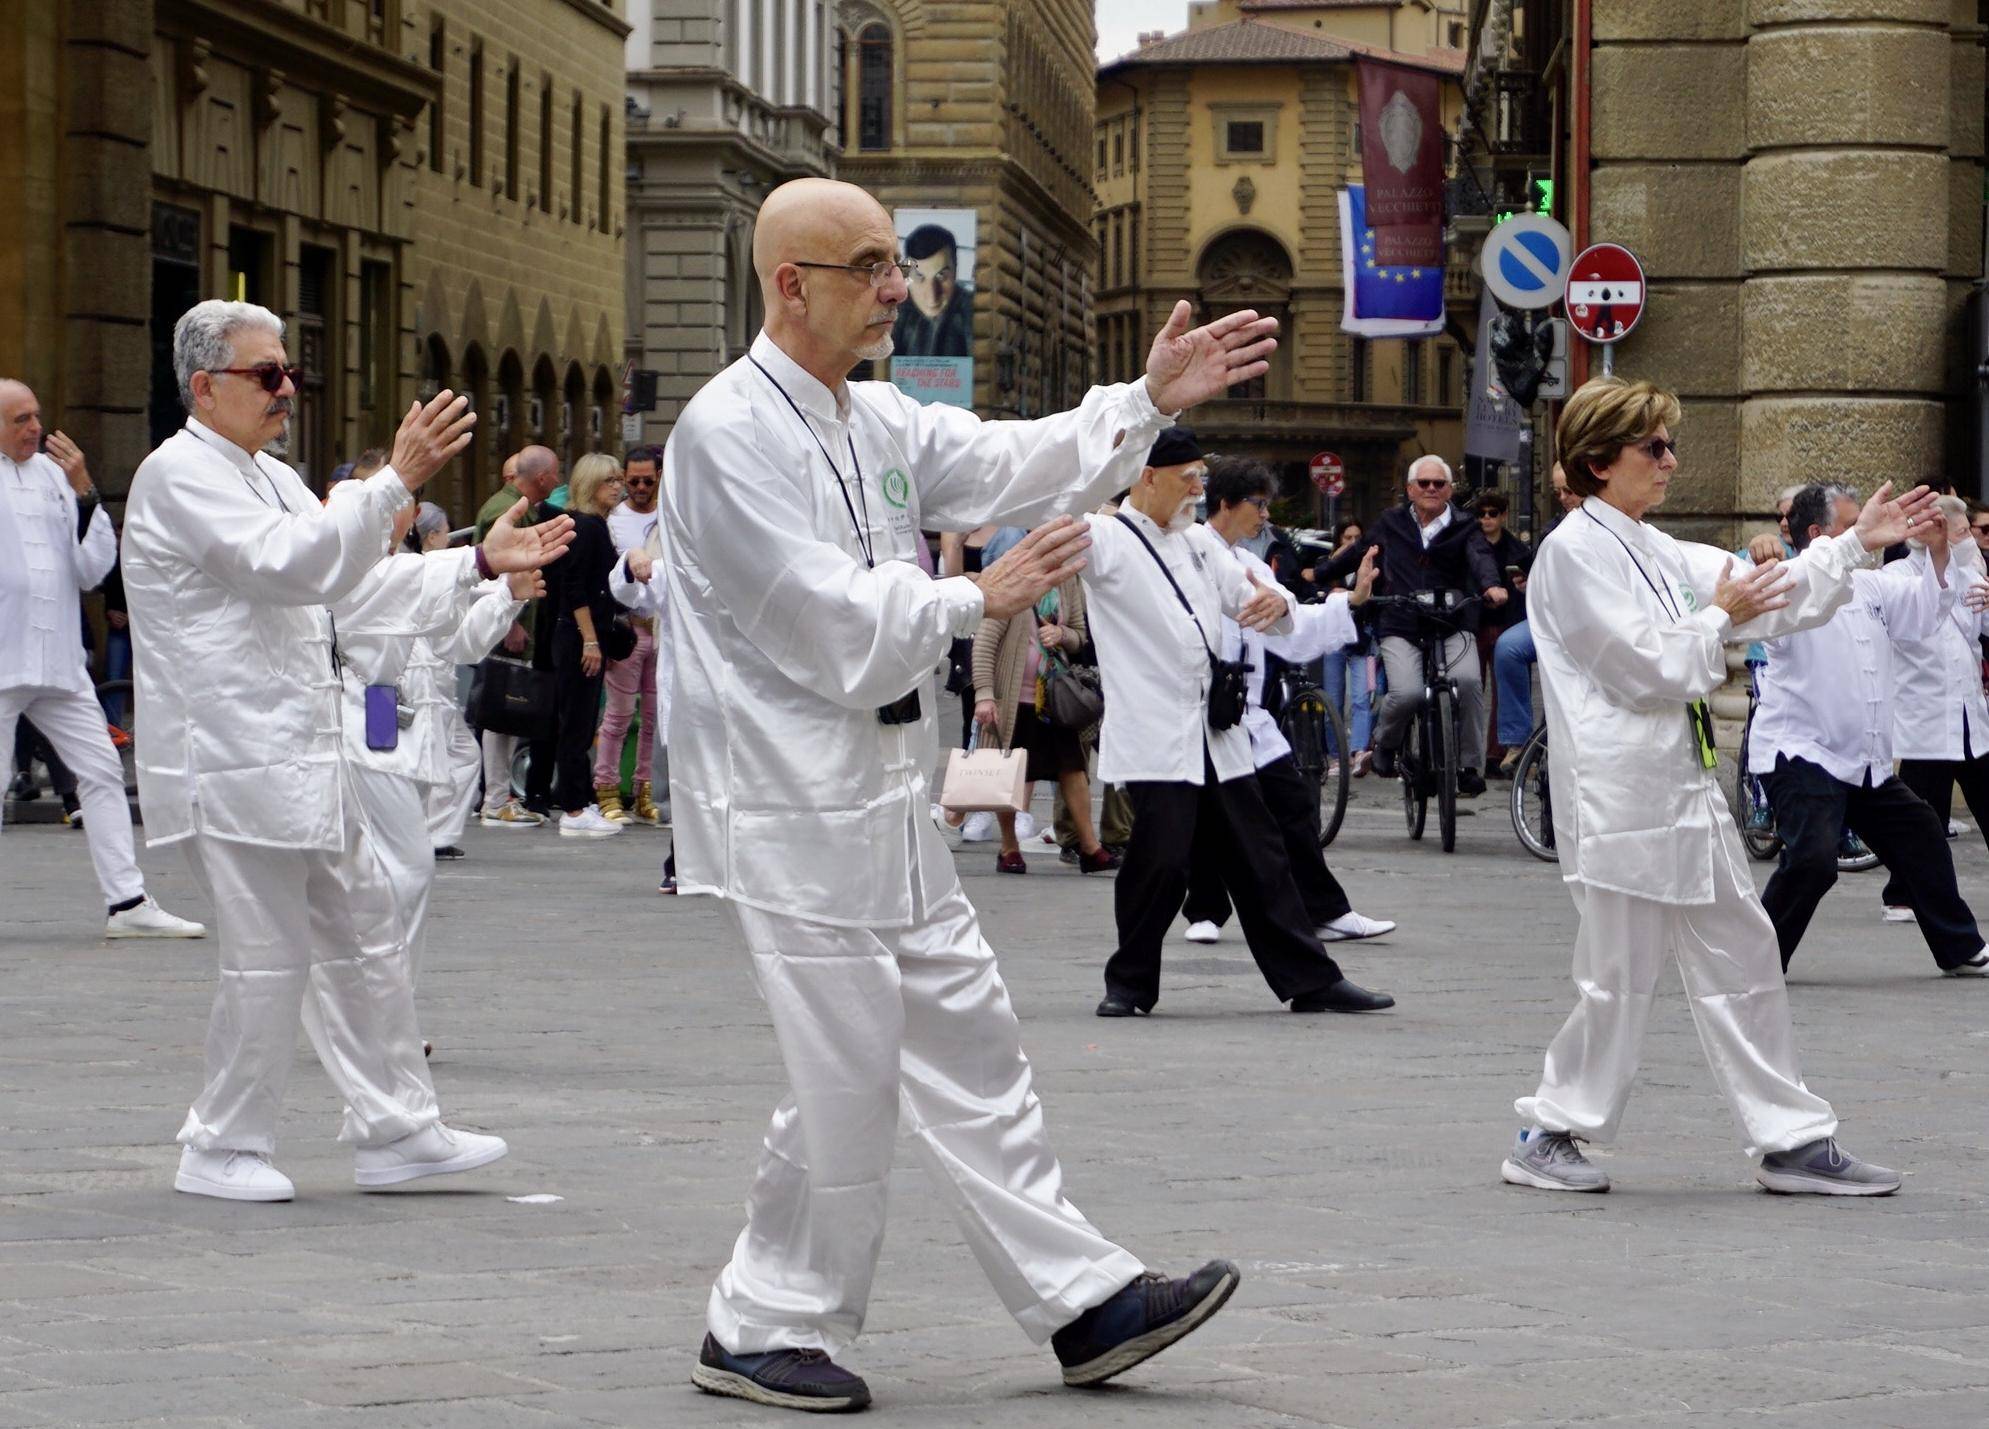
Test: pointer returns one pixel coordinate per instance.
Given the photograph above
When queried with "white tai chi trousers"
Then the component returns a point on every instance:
(288, 919)
(868, 1021)
(73, 722)
(498, 752)
(1732, 968)
(450, 805)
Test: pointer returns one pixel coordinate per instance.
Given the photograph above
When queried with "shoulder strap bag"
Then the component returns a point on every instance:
(1229, 683)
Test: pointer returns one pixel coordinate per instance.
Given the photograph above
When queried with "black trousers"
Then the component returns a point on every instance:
(542, 755)
(579, 713)
(1295, 812)
(1177, 826)
(1934, 781)
(1812, 807)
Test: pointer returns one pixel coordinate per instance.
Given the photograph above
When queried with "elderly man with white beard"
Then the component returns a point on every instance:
(237, 577)
(1159, 587)
(801, 735)
(55, 542)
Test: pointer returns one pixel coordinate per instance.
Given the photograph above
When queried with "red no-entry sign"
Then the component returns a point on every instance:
(1606, 292)
(1329, 474)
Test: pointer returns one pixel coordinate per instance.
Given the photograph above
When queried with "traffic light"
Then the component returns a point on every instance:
(1521, 350)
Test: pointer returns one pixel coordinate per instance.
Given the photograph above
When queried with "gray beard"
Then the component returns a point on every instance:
(880, 349)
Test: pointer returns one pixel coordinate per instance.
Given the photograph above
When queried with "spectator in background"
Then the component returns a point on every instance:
(1512, 557)
(578, 608)
(117, 645)
(1513, 654)
(531, 473)
(1012, 657)
(630, 526)
(1349, 671)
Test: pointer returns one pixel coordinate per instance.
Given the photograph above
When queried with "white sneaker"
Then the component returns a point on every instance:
(1350, 926)
(1893, 913)
(979, 828)
(1025, 826)
(1977, 966)
(149, 920)
(1204, 932)
(433, 1151)
(231, 1176)
(511, 815)
(587, 824)
(1956, 828)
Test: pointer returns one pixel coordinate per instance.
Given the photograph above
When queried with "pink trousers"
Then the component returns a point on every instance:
(627, 679)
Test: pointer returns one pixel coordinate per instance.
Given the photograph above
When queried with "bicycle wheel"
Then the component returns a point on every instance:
(125, 736)
(1446, 770)
(1532, 808)
(1333, 792)
(1303, 724)
(1853, 856)
(1750, 806)
(1415, 798)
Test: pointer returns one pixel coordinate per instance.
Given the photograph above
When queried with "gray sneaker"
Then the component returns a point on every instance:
(1822, 1168)
(1549, 1161)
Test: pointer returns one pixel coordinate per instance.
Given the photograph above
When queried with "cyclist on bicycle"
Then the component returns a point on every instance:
(1239, 497)
(1426, 544)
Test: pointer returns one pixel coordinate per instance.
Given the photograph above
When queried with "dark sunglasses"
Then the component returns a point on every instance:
(269, 374)
(1423, 485)
(1656, 447)
(1983, 527)
(640, 480)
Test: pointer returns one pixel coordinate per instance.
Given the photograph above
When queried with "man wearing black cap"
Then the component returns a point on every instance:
(1158, 586)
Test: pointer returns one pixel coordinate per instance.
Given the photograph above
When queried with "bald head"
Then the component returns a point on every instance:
(813, 245)
(20, 419)
(537, 472)
(816, 220)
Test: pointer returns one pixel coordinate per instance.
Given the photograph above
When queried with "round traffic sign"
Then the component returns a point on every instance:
(1525, 261)
(1605, 292)
(1329, 474)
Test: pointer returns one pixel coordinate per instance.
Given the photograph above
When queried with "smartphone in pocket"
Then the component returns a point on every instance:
(383, 730)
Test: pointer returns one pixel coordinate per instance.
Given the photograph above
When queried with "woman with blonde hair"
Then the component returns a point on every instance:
(579, 607)
(1014, 659)
(1631, 627)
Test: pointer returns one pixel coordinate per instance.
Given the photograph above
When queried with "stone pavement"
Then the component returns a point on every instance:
(1349, 1165)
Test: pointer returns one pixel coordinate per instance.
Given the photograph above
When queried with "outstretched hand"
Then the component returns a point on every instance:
(1364, 577)
(1264, 609)
(1886, 522)
(510, 547)
(1042, 560)
(1753, 593)
(430, 435)
(1185, 367)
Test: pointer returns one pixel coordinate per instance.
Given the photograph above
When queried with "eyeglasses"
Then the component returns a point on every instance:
(640, 480)
(1981, 529)
(1656, 447)
(1262, 503)
(1422, 484)
(879, 272)
(270, 374)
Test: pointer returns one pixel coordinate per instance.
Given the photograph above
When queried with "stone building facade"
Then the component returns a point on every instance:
(727, 100)
(1218, 162)
(285, 152)
(1807, 200)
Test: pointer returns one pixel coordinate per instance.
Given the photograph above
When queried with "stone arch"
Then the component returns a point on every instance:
(1241, 264)
(475, 325)
(544, 337)
(432, 312)
(603, 350)
(511, 323)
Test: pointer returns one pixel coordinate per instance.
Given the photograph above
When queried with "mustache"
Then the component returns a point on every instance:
(280, 407)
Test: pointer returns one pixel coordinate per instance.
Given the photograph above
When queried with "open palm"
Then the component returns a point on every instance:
(1185, 367)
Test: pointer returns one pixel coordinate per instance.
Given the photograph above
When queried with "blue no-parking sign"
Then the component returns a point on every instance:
(1526, 261)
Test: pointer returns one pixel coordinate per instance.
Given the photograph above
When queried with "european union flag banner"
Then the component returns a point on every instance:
(1383, 301)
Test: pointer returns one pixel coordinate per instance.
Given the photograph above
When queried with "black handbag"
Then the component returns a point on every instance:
(1072, 695)
(1229, 680)
(617, 633)
(510, 697)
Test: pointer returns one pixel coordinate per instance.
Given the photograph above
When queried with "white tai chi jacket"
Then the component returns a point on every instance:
(651, 599)
(1938, 687)
(1316, 630)
(788, 794)
(1628, 635)
(236, 576)
(1152, 657)
(1826, 692)
(43, 571)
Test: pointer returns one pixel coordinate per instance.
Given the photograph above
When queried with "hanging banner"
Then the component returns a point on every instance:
(1401, 145)
(1384, 300)
(932, 343)
(1491, 424)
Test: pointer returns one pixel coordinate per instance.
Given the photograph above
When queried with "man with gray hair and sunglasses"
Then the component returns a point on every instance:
(240, 584)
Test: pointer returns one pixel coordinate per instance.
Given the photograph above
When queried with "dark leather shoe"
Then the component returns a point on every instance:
(1104, 861)
(1117, 1004)
(1139, 1322)
(1470, 784)
(1342, 996)
(1384, 763)
(784, 1379)
(1011, 863)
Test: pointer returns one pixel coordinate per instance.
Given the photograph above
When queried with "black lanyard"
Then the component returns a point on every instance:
(1697, 713)
(1670, 606)
(862, 528)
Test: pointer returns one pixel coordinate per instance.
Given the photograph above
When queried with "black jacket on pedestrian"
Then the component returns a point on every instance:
(1453, 561)
(1508, 550)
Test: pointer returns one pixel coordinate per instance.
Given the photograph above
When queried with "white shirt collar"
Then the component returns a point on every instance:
(800, 384)
(1614, 520)
(1431, 531)
(221, 444)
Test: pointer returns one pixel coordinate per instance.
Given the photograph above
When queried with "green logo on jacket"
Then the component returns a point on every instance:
(897, 487)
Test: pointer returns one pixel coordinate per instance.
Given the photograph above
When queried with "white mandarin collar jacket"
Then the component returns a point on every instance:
(43, 571)
(1316, 629)
(1938, 691)
(1827, 692)
(1152, 657)
(1628, 636)
(234, 574)
(788, 794)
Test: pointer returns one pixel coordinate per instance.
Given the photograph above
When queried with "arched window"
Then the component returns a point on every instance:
(873, 88)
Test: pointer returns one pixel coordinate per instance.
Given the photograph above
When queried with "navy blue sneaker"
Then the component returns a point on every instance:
(784, 1379)
(1140, 1321)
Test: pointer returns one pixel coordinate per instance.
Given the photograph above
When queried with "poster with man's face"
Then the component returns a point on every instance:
(932, 343)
